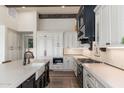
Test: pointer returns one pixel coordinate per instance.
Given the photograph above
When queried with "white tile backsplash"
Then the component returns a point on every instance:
(111, 56)
(72, 51)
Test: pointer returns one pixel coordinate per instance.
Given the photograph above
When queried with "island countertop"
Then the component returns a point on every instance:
(14, 73)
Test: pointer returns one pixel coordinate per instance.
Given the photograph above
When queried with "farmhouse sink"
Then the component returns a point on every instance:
(41, 69)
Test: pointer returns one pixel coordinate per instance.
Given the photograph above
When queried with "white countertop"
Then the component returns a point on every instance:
(14, 73)
(81, 56)
(107, 75)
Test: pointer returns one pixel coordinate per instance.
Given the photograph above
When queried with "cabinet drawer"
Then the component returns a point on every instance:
(90, 84)
(90, 81)
(90, 77)
(99, 85)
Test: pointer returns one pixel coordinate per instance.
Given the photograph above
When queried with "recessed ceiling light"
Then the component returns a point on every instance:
(63, 6)
(23, 7)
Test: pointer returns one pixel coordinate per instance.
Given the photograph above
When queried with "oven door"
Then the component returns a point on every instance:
(57, 60)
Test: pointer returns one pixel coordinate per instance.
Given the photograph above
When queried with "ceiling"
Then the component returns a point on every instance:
(48, 9)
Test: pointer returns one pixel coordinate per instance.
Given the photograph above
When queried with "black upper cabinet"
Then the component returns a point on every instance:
(86, 23)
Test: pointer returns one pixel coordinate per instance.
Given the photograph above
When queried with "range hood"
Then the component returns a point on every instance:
(84, 40)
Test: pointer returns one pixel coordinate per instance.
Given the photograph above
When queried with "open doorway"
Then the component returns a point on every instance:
(27, 42)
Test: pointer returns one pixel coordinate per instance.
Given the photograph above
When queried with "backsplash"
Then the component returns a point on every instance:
(72, 50)
(114, 57)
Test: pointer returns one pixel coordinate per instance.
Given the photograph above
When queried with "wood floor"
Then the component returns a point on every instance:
(62, 79)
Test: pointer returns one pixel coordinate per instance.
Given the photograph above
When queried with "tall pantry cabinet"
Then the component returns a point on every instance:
(49, 44)
(9, 45)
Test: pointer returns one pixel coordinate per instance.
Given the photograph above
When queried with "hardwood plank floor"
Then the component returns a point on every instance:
(62, 79)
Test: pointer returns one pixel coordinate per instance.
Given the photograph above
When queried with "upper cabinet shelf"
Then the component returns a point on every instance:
(109, 26)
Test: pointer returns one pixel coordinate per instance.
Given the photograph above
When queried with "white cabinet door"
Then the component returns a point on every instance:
(58, 44)
(44, 46)
(84, 78)
(74, 67)
(120, 23)
(98, 26)
(69, 64)
(49, 44)
(117, 27)
(109, 22)
(70, 39)
(74, 40)
(66, 40)
(105, 28)
(102, 25)
(114, 25)
(89, 81)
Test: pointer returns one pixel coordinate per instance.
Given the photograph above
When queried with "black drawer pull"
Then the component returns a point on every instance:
(88, 85)
(88, 75)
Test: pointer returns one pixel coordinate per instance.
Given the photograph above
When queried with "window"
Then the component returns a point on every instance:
(30, 43)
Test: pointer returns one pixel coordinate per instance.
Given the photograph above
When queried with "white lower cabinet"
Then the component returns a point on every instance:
(67, 63)
(89, 81)
(74, 67)
(70, 64)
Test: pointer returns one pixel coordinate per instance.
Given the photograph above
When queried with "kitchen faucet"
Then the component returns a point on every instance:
(27, 55)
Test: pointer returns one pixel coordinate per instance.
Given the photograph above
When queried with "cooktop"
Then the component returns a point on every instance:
(83, 60)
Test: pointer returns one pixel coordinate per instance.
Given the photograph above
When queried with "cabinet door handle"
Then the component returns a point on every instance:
(27, 80)
(88, 75)
(88, 85)
(107, 43)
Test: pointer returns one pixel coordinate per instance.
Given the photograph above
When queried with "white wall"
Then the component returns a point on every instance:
(75, 51)
(27, 21)
(6, 19)
(56, 24)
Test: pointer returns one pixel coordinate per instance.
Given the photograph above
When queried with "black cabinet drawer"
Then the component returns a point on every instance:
(40, 83)
(29, 83)
(20, 86)
(43, 80)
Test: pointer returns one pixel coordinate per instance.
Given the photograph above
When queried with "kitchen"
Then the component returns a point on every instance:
(61, 46)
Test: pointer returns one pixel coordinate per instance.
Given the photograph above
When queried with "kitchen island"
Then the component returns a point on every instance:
(13, 74)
